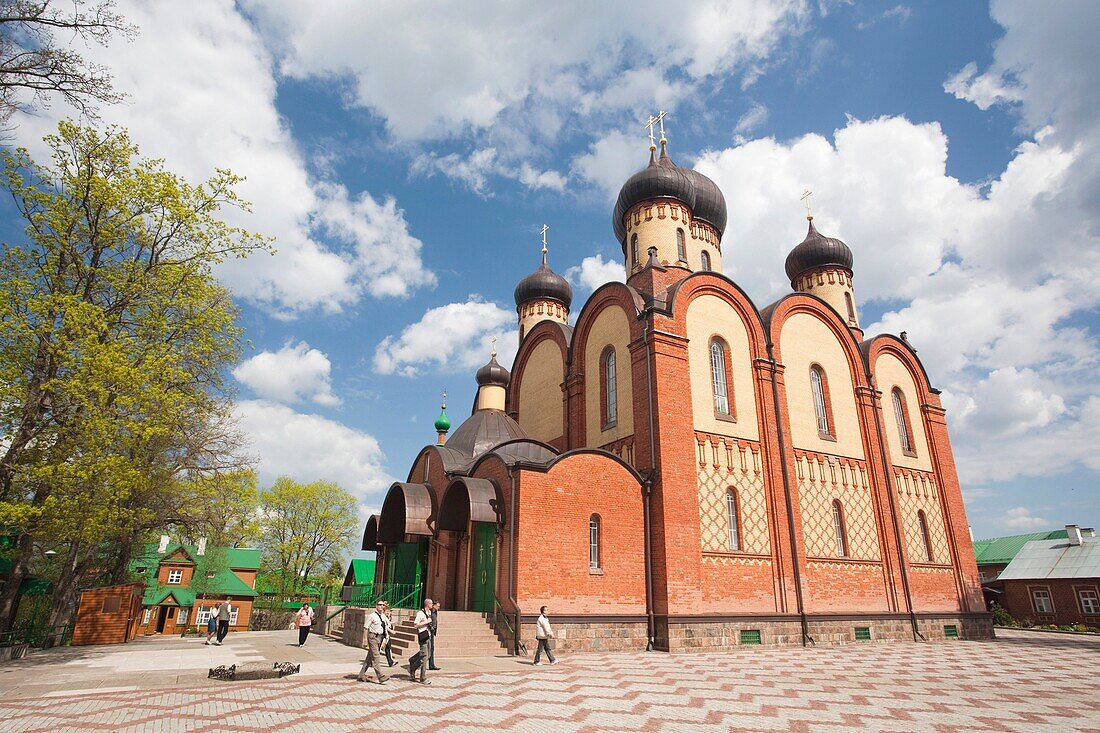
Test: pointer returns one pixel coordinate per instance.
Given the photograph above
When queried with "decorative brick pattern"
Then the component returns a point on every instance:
(725, 463)
(823, 479)
(917, 491)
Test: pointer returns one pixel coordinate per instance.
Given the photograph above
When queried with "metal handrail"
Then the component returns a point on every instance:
(499, 612)
(398, 594)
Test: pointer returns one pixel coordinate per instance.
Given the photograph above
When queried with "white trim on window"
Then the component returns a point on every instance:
(1041, 600)
(1090, 603)
(175, 577)
(145, 618)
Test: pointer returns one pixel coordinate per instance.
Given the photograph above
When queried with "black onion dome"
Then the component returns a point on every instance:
(817, 250)
(544, 283)
(493, 373)
(710, 204)
(659, 180)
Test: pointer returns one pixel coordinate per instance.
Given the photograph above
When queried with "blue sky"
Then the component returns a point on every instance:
(406, 154)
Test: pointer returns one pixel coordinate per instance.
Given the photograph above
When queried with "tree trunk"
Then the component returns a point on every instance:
(65, 592)
(9, 596)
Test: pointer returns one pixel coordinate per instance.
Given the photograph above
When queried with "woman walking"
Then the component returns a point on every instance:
(304, 618)
(212, 625)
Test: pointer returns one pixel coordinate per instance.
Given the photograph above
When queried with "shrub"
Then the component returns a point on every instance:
(1001, 616)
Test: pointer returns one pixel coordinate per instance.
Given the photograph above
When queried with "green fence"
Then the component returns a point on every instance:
(399, 595)
(38, 637)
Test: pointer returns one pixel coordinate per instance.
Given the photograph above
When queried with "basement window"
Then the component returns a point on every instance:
(863, 633)
(750, 637)
(951, 631)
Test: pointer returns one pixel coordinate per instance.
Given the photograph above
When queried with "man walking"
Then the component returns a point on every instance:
(224, 612)
(422, 623)
(375, 625)
(543, 632)
(434, 629)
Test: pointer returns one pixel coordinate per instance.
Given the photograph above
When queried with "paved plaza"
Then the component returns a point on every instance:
(1021, 682)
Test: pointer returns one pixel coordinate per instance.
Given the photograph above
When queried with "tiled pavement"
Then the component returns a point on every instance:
(1021, 682)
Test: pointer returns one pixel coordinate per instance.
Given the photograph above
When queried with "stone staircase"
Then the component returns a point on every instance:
(461, 634)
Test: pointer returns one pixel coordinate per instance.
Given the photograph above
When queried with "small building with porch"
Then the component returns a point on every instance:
(1055, 581)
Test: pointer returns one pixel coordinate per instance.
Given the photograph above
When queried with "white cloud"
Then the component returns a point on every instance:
(452, 337)
(506, 64)
(1021, 520)
(293, 374)
(753, 118)
(984, 90)
(202, 95)
(310, 448)
(593, 272)
(475, 169)
(609, 161)
(536, 179)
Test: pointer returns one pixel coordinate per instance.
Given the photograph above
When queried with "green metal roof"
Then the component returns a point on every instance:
(363, 571)
(224, 582)
(240, 558)
(1001, 550)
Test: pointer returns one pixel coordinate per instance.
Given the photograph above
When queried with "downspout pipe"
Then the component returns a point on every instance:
(893, 509)
(787, 497)
(647, 490)
(512, 511)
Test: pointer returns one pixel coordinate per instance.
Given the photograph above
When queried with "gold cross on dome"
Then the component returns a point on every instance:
(494, 347)
(659, 119)
(543, 232)
(444, 398)
(805, 198)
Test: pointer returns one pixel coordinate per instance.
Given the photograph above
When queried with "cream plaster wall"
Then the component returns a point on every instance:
(491, 397)
(540, 396)
(804, 341)
(889, 373)
(531, 314)
(656, 226)
(611, 327)
(707, 316)
(830, 285)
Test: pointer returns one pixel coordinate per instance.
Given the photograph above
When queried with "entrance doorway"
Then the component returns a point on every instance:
(407, 567)
(483, 570)
(162, 616)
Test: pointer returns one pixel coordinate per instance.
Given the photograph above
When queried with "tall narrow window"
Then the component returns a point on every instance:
(609, 383)
(706, 261)
(594, 542)
(902, 419)
(681, 249)
(922, 520)
(719, 368)
(817, 384)
(634, 250)
(732, 519)
(851, 307)
(1041, 601)
(838, 530)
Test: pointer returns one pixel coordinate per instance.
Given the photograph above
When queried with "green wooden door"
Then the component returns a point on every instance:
(483, 582)
(407, 572)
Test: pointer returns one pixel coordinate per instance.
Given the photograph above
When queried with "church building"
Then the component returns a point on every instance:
(684, 470)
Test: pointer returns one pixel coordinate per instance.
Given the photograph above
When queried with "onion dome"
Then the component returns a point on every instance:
(817, 250)
(710, 204)
(443, 423)
(661, 179)
(493, 374)
(544, 283)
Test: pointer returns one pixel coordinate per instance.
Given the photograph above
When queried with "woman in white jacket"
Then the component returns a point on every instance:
(543, 632)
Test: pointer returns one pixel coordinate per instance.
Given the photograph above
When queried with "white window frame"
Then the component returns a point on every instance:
(181, 619)
(838, 530)
(731, 520)
(718, 377)
(610, 379)
(233, 611)
(203, 616)
(817, 386)
(145, 618)
(1044, 595)
(899, 417)
(594, 542)
(926, 542)
(175, 576)
(1089, 601)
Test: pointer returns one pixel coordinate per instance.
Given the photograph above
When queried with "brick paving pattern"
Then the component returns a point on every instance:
(1023, 682)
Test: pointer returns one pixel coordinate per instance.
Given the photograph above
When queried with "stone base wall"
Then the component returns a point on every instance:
(705, 635)
(615, 636)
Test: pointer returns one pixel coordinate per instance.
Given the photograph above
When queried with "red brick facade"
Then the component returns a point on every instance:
(1071, 600)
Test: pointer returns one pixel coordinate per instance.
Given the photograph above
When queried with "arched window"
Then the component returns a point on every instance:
(821, 401)
(634, 250)
(681, 249)
(608, 383)
(732, 519)
(594, 542)
(719, 377)
(706, 261)
(901, 416)
(922, 521)
(838, 530)
(851, 307)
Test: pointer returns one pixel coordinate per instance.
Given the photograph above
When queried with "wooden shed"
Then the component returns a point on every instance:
(108, 615)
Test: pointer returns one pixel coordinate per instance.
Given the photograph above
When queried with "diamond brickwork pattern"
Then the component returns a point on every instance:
(725, 463)
(916, 491)
(822, 480)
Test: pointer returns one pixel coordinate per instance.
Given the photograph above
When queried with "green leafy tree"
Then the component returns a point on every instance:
(306, 527)
(114, 338)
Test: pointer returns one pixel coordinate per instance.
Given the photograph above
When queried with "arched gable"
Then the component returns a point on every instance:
(370, 534)
(705, 307)
(535, 395)
(470, 499)
(407, 510)
(434, 463)
(895, 366)
(807, 333)
(608, 320)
